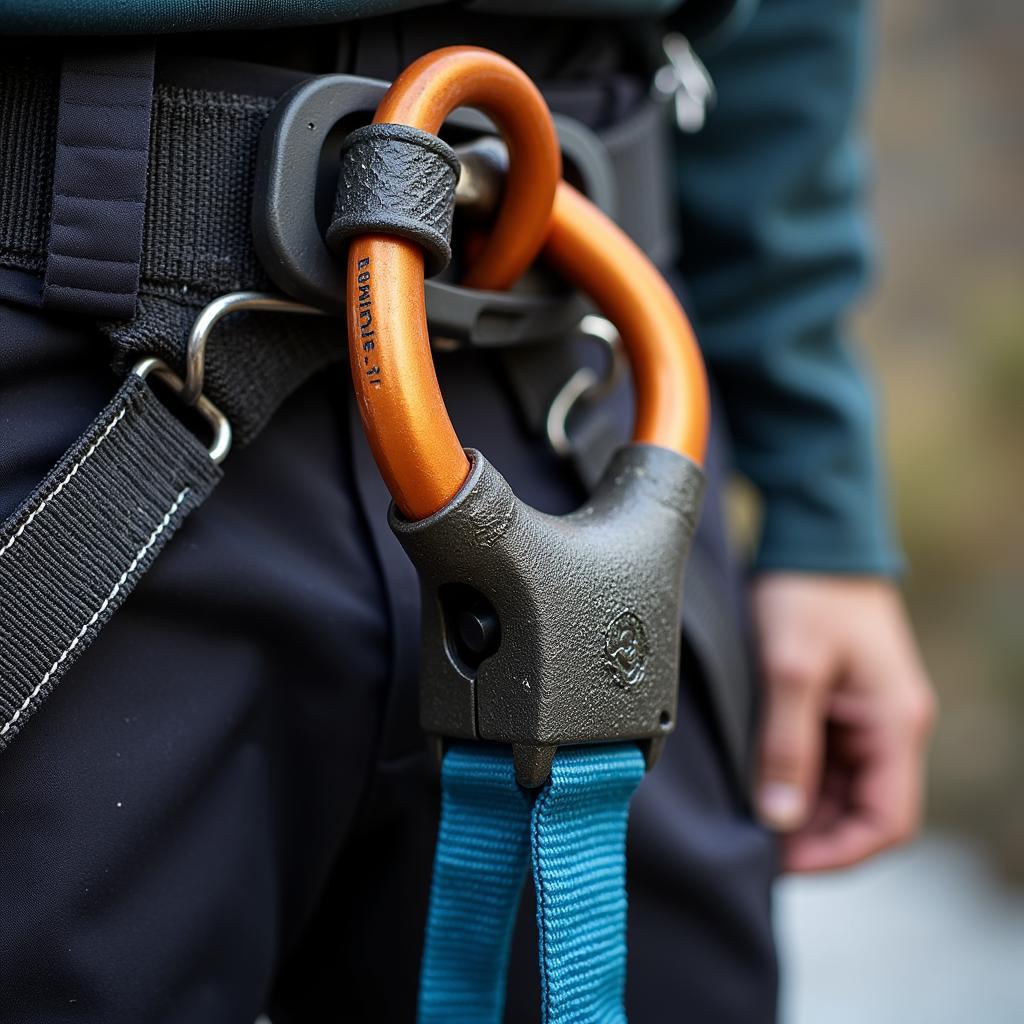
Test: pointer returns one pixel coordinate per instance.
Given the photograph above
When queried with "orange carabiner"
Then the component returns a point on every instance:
(400, 402)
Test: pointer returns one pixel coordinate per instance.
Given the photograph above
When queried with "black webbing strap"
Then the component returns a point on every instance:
(99, 182)
(75, 549)
(197, 238)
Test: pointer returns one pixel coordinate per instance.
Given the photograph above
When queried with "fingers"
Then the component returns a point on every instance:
(875, 800)
(791, 734)
(848, 708)
(871, 797)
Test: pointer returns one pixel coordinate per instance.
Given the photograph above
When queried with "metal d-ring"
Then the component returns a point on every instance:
(210, 316)
(585, 384)
(221, 444)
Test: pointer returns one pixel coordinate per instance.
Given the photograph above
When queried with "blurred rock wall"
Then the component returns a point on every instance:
(945, 331)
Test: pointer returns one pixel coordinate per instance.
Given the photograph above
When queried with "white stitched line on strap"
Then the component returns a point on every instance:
(60, 487)
(139, 555)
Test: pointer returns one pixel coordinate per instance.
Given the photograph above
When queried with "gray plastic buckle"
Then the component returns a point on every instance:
(293, 194)
(539, 630)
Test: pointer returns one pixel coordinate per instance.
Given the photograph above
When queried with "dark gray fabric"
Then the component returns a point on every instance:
(99, 181)
(77, 546)
(397, 180)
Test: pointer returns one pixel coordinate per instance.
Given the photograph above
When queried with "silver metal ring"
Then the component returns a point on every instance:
(221, 444)
(209, 317)
(585, 384)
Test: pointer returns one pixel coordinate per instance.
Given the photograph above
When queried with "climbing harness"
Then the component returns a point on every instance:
(99, 518)
(550, 645)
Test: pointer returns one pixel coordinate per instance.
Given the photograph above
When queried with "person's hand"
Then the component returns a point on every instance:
(848, 709)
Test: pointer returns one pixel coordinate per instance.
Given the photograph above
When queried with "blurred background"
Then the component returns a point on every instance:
(936, 933)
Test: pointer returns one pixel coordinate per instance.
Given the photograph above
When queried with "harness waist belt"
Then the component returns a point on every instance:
(197, 237)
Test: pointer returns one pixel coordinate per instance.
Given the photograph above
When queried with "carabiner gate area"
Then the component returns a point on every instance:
(608, 576)
(415, 445)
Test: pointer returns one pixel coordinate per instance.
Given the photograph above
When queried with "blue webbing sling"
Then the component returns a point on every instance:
(572, 833)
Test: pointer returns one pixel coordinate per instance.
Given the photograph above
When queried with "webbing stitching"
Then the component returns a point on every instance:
(131, 201)
(542, 898)
(140, 554)
(88, 259)
(86, 291)
(90, 146)
(114, 75)
(86, 104)
(71, 472)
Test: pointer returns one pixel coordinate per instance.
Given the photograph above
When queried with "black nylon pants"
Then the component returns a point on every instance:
(226, 807)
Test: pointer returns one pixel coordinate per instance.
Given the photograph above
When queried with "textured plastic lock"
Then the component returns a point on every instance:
(587, 642)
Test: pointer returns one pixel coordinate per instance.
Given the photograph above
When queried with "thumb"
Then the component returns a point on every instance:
(792, 739)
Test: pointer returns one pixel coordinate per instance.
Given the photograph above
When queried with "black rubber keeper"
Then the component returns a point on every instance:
(397, 180)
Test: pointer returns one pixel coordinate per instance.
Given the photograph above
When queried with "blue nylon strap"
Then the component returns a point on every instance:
(578, 843)
(574, 834)
(483, 849)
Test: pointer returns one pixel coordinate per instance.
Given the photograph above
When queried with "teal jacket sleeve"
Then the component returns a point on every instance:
(776, 251)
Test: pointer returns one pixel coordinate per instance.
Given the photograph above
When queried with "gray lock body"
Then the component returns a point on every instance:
(585, 647)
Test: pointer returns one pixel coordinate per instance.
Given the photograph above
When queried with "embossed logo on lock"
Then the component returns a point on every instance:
(625, 649)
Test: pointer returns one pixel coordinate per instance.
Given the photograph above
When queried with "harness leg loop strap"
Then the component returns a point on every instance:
(573, 835)
(76, 548)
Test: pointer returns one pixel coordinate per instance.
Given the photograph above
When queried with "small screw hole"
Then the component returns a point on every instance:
(665, 719)
(310, 125)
